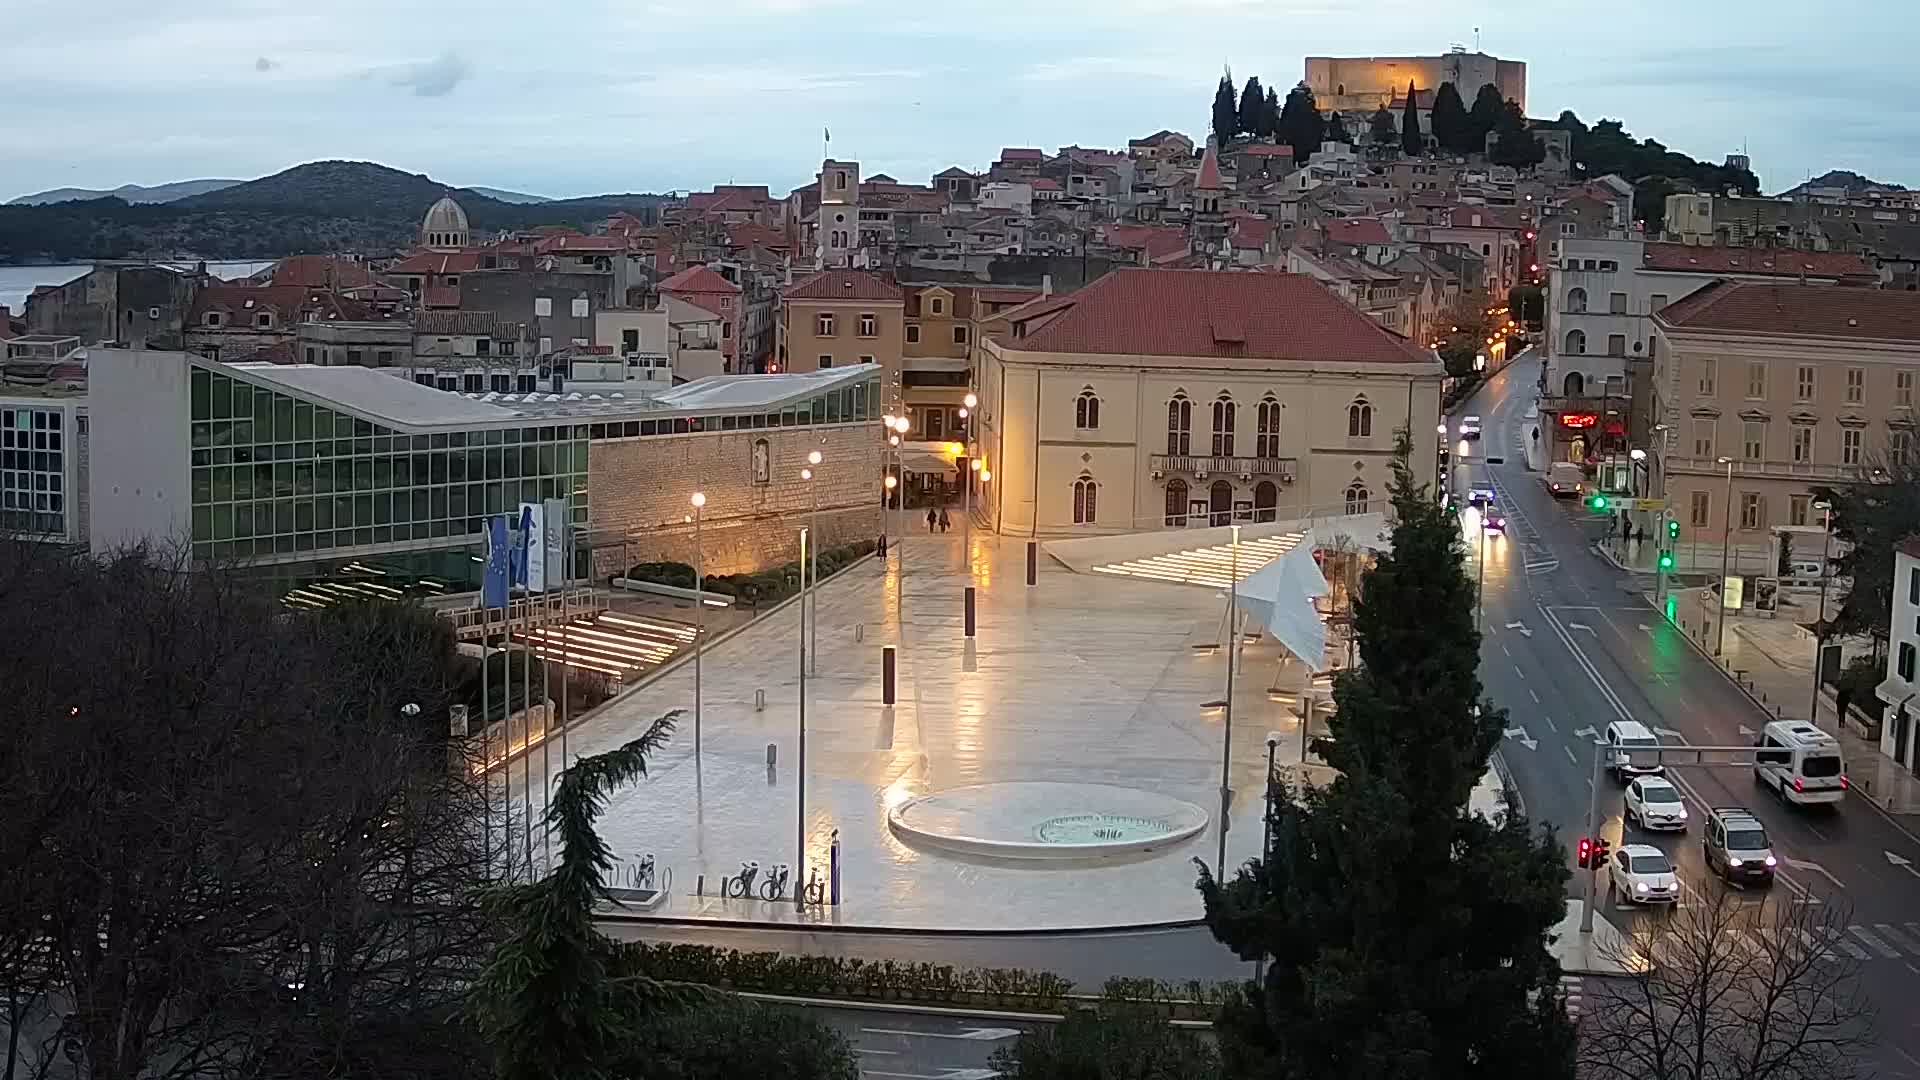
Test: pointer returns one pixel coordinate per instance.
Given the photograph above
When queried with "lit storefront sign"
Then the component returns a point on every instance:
(1579, 420)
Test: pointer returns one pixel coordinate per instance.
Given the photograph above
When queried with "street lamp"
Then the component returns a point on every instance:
(897, 430)
(969, 403)
(1820, 626)
(1726, 546)
(1226, 740)
(699, 501)
(800, 762)
(809, 599)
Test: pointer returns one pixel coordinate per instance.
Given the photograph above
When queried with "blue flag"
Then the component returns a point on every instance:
(493, 588)
(523, 545)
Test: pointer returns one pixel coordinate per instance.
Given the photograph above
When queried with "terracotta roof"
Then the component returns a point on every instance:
(1021, 153)
(699, 279)
(568, 242)
(1357, 231)
(1909, 547)
(1209, 179)
(953, 172)
(1219, 314)
(749, 234)
(436, 262)
(1164, 245)
(320, 272)
(1795, 310)
(1005, 294)
(1727, 260)
(440, 296)
(1046, 184)
(1266, 150)
(289, 304)
(842, 285)
(1252, 233)
(478, 323)
(1156, 138)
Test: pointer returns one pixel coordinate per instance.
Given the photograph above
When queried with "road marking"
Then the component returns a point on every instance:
(1522, 627)
(944, 1074)
(876, 1053)
(1503, 648)
(1550, 724)
(1575, 760)
(1874, 943)
(1745, 731)
(969, 1035)
(1801, 864)
(1581, 626)
(1517, 671)
(1836, 940)
(1669, 733)
(1645, 627)
(1898, 938)
(1519, 734)
(1902, 862)
(1587, 731)
(1536, 697)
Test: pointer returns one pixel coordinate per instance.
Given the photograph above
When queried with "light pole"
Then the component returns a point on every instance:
(800, 762)
(1820, 625)
(809, 601)
(699, 612)
(973, 466)
(897, 426)
(1266, 840)
(1226, 741)
(1726, 547)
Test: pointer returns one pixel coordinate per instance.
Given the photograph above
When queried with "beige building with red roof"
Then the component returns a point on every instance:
(1156, 399)
(838, 318)
(1769, 388)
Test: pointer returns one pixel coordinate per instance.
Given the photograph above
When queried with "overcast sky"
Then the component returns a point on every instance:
(574, 97)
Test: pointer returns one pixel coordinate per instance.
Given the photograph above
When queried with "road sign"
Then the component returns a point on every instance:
(1650, 505)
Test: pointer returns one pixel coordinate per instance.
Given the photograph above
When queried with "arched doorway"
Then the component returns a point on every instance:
(1220, 503)
(1176, 503)
(1266, 501)
(1576, 384)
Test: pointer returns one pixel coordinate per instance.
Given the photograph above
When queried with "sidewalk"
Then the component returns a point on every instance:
(1690, 559)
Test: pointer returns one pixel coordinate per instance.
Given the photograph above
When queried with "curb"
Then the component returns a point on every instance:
(900, 1008)
(632, 919)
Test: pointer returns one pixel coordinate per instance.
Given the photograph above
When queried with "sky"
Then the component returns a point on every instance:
(578, 97)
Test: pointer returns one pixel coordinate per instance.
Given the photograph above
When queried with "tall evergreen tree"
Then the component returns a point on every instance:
(1335, 129)
(1226, 115)
(1513, 144)
(1382, 130)
(1270, 115)
(1483, 117)
(1300, 124)
(1410, 141)
(1408, 937)
(1253, 107)
(1449, 120)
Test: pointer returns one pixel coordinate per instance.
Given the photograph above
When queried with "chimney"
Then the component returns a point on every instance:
(1046, 285)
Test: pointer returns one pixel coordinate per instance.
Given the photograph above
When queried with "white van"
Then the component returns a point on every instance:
(1800, 762)
(1566, 480)
(1632, 750)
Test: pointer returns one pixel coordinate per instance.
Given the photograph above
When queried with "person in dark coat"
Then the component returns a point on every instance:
(944, 521)
(933, 518)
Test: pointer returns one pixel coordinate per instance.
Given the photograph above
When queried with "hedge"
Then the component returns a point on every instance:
(768, 586)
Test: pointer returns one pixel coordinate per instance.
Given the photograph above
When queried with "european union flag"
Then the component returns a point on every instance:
(493, 589)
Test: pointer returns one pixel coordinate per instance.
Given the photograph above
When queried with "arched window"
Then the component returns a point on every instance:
(1086, 410)
(1179, 425)
(1220, 503)
(1575, 384)
(1266, 440)
(1360, 419)
(1266, 501)
(1576, 342)
(1223, 426)
(1576, 300)
(1084, 492)
(1176, 503)
(1357, 498)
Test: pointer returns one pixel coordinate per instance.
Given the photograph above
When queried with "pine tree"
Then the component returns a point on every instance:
(1410, 141)
(1253, 103)
(1383, 131)
(1300, 124)
(1335, 129)
(1481, 119)
(1270, 115)
(1226, 117)
(1449, 120)
(1407, 937)
(1513, 143)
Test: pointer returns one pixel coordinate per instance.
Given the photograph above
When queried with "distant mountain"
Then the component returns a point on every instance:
(510, 196)
(1846, 179)
(127, 193)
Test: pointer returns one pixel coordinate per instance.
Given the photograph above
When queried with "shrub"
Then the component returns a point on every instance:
(1115, 1041)
(769, 586)
(848, 978)
(735, 1038)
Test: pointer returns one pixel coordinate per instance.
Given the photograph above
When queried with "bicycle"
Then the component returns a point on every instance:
(645, 873)
(740, 886)
(816, 889)
(775, 885)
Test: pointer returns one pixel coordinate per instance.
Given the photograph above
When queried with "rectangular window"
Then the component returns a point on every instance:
(869, 325)
(1757, 380)
(1702, 438)
(1755, 440)
(1906, 661)
(1656, 302)
(1753, 509)
(1903, 387)
(1913, 586)
(1803, 383)
(959, 335)
(823, 324)
(543, 306)
(1797, 506)
(1856, 385)
(1802, 443)
(1850, 446)
(1616, 344)
(913, 334)
(1706, 376)
(1697, 512)
(826, 361)
(1617, 303)
(1899, 443)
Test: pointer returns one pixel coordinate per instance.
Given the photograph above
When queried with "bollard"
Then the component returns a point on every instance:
(969, 602)
(859, 632)
(887, 669)
(700, 885)
(1033, 562)
(773, 751)
(759, 701)
(833, 870)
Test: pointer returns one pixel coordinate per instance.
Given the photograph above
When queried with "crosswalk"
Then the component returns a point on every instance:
(1571, 987)
(1859, 942)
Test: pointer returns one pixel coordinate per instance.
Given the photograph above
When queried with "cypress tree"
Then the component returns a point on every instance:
(1253, 103)
(1270, 115)
(1483, 117)
(1301, 126)
(1410, 141)
(1383, 131)
(1226, 117)
(1449, 120)
(1407, 937)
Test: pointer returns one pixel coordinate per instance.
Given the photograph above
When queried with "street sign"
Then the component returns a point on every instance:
(1650, 505)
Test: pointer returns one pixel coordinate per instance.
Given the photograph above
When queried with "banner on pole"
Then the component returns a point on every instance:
(499, 571)
(559, 537)
(533, 545)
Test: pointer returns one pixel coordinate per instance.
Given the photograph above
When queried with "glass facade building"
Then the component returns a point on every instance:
(34, 467)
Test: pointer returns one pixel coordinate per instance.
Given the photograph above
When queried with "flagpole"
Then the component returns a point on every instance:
(486, 718)
(526, 680)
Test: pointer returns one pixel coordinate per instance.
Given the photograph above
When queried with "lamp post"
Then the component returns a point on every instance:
(973, 466)
(800, 761)
(1726, 547)
(1226, 740)
(699, 613)
(809, 601)
(1820, 625)
(897, 427)
(1266, 840)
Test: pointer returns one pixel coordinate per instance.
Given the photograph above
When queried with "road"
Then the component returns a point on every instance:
(1571, 645)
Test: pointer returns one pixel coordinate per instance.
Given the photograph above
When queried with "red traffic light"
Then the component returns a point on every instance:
(1585, 854)
(1601, 849)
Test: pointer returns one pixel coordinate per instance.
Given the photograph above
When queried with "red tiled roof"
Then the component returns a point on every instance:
(1219, 314)
(1253, 232)
(436, 262)
(1357, 231)
(1266, 150)
(574, 242)
(1139, 237)
(748, 234)
(1021, 153)
(842, 285)
(288, 303)
(440, 296)
(1046, 184)
(1209, 179)
(1166, 244)
(699, 279)
(320, 272)
(1729, 260)
(1795, 310)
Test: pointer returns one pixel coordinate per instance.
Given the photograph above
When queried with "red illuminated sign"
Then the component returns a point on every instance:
(1579, 419)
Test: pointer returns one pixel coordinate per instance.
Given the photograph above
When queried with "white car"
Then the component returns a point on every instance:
(1653, 803)
(1643, 874)
(1470, 427)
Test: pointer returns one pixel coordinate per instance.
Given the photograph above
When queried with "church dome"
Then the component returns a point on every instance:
(445, 225)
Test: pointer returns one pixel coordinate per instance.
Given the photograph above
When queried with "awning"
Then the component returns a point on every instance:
(925, 461)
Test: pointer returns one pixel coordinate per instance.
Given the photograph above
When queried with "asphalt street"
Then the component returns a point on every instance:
(1571, 644)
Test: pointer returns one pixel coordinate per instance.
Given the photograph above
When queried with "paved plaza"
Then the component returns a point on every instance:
(1077, 680)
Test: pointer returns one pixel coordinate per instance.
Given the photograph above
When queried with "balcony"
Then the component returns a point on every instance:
(1200, 466)
(1777, 470)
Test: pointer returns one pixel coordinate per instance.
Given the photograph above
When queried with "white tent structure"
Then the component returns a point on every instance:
(1280, 596)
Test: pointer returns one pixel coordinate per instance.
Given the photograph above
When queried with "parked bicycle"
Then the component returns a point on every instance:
(775, 885)
(816, 889)
(645, 875)
(740, 886)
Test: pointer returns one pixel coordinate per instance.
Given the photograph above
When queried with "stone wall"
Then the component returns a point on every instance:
(641, 489)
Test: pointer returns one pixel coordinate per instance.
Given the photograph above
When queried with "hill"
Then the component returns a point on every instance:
(1846, 179)
(322, 206)
(127, 193)
(509, 196)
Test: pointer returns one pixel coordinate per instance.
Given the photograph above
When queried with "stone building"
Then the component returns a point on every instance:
(1364, 83)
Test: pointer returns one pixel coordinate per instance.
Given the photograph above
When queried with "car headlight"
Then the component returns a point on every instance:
(1640, 887)
(1771, 860)
(1733, 862)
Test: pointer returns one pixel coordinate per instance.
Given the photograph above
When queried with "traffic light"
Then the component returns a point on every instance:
(1601, 849)
(1597, 502)
(1673, 528)
(1584, 854)
(1666, 560)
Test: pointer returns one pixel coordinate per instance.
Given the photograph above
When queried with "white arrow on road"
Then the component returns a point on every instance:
(1520, 734)
(1800, 864)
(1589, 732)
(1522, 627)
(1646, 628)
(1746, 732)
(970, 1035)
(1902, 862)
(1581, 626)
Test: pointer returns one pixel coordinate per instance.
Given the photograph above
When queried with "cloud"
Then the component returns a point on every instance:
(432, 78)
(264, 64)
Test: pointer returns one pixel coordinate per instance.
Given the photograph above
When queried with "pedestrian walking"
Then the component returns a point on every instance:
(933, 518)
(944, 520)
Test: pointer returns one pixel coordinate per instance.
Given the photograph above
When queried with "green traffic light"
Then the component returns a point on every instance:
(1673, 529)
(1598, 502)
(1666, 560)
